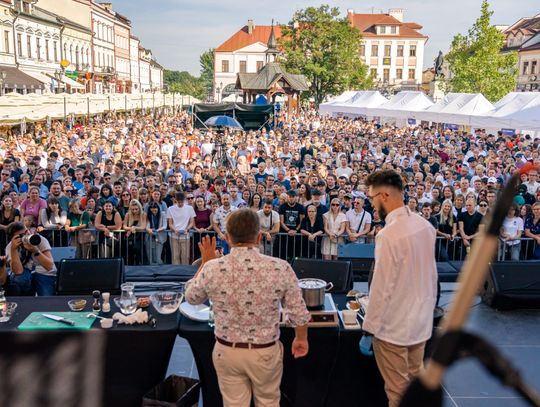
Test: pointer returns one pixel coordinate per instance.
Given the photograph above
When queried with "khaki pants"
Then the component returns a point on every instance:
(398, 366)
(180, 251)
(243, 372)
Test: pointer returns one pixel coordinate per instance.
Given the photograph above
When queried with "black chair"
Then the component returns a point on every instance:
(338, 272)
(82, 276)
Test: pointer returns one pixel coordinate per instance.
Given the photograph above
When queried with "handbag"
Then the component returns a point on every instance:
(85, 236)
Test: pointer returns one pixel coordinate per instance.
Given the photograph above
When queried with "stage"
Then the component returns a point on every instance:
(516, 333)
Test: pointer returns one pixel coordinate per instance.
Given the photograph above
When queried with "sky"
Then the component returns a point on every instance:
(179, 31)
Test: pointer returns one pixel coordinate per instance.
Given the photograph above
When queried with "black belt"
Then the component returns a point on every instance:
(244, 345)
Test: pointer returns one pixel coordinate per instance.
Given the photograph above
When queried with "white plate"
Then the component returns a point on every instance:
(199, 312)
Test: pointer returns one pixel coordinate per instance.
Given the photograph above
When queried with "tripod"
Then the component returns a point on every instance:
(219, 155)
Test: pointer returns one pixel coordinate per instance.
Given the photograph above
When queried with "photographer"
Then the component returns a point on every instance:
(30, 261)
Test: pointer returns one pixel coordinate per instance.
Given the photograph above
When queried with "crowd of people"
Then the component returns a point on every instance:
(149, 187)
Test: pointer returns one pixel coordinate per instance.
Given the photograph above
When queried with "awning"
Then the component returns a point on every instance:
(17, 78)
(73, 84)
(46, 80)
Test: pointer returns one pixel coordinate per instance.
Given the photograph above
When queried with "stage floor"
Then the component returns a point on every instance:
(515, 333)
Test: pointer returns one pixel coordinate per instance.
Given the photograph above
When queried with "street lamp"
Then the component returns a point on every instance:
(218, 91)
(58, 76)
(2, 80)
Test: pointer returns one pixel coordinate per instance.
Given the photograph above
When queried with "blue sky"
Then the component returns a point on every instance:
(178, 31)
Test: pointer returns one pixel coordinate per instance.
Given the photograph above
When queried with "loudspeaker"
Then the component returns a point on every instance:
(511, 285)
(361, 256)
(337, 272)
(82, 276)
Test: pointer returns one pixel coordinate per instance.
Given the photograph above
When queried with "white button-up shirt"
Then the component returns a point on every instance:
(404, 286)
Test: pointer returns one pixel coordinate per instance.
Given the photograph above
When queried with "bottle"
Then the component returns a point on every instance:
(3, 307)
(96, 305)
(210, 314)
(106, 307)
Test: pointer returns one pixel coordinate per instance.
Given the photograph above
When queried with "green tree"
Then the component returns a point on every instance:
(324, 47)
(477, 63)
(184, 83)
(207, 69)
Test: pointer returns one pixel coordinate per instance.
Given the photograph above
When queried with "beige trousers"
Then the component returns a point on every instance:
(180, 251)
(243, 372)
(398, 366)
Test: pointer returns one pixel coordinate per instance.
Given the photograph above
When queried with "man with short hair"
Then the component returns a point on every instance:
(470, 224)
(248, 356)
(269, 221)
(358, 221)
(181, 219)
(405, 272)
(220, 220)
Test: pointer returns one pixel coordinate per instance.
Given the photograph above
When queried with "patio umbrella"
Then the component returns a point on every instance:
(223, 121)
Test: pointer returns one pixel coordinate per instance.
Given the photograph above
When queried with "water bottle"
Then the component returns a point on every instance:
(210, 314)
(3, 307)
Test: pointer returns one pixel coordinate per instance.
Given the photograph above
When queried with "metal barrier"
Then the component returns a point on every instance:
(142, 248)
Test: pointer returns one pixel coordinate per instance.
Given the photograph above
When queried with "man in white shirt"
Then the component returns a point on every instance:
(358, 221)
(269, 225)
(343, 169)
(181, 219)
(402, 296)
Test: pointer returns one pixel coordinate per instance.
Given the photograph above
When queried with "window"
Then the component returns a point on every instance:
(382, 29)
(399, 73)
(374, 50)
(525, 68)
(393, 29)
(28, 46)
(412, 73)
(387, 50)
(38, 47)
(6, 41)
(26, 7)
(373, 72)
(386, 75)
(243, 66)
(55, 47)
(77, 57)
(259, 65)
(412, 51)
(47, 54)
(400, 50)
(533, 67)
(224, 66)
(362, 50)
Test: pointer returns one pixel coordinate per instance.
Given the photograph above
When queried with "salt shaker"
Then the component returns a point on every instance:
(106, 306)
(96, 306)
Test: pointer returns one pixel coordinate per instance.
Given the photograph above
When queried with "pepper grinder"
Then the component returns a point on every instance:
(96, 306)
(106, 306)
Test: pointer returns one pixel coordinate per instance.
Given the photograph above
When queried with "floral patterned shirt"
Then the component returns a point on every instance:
(247, 288)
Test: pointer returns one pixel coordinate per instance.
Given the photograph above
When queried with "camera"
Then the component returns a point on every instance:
(33, 240)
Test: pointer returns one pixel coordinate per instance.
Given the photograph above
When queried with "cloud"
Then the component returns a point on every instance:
(178, 31)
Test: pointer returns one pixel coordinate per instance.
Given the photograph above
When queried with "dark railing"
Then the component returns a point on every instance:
(142, 248)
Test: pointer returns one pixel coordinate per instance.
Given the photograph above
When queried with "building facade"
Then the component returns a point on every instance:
(145, 56)
(122, 36)
(134, 64)
(524, 37)
(156, 76)
(104, 62)
(244, 52)
(392, 49)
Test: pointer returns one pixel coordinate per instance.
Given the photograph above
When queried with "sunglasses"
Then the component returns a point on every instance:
(483, 205)
(334, 204)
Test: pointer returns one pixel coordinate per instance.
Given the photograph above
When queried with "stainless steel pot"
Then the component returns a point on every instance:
(313, 291)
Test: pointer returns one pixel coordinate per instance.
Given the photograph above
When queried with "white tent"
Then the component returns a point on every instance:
(329, 107)
(353, 103)
(405, 104)
(457, 108)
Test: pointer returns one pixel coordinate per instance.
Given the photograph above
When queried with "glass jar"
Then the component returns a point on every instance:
(127, 302)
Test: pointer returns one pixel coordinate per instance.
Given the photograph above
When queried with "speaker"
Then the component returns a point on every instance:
(337, 272)
(361, 256)
(82, 276)
(513, 284)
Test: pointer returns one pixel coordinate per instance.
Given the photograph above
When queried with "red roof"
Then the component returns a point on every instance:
(241, 39)
(366, 24)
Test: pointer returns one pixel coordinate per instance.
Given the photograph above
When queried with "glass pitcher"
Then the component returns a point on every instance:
(127, 302)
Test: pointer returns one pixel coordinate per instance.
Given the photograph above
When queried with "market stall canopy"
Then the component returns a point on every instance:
(15, 78)
(404, 104)
(359, 103)
(457, 108)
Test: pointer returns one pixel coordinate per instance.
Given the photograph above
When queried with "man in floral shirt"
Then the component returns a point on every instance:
(247, 288)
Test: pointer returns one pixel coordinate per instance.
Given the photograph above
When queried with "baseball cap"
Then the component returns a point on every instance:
(492, 180)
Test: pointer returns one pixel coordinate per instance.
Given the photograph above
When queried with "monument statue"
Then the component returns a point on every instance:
(439, 65)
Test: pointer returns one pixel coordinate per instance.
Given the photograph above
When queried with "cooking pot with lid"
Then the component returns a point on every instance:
(313, 291)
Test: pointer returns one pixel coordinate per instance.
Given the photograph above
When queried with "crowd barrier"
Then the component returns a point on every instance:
(142, 248)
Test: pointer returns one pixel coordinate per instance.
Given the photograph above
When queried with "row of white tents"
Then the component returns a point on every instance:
(16, 108)
(517, 110)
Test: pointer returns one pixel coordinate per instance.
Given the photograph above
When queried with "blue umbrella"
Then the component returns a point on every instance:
(223, 121)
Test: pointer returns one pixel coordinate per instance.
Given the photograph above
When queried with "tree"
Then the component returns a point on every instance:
(477, 63)
(184, 83)
(325, 49)
(207, 69)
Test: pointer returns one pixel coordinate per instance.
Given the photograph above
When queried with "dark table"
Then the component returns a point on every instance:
(114, 367)
(334, 373)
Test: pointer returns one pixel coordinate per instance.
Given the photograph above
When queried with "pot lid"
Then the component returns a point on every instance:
(311, 283)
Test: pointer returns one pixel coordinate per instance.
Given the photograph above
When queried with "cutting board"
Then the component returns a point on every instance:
(36, 321)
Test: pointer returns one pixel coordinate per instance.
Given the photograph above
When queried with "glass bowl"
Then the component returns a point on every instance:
(166, 302)
(77, 305)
